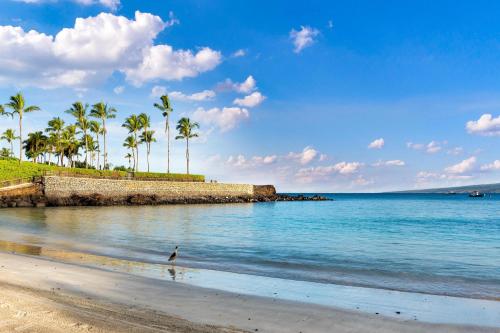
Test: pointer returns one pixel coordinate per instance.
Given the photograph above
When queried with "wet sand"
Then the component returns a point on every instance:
(40, 295)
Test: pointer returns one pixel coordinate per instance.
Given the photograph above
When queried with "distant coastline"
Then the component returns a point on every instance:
(484, 188)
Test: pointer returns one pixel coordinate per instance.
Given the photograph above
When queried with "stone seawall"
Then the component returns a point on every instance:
(77, 191)
(89, 191)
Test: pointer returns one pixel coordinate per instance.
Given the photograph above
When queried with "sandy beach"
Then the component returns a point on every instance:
(40, 295)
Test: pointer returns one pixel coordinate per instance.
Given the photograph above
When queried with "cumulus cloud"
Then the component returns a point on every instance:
(256, 161)
(389, 163)
(251, 100)
(225, 119)
(119, 90)
(486, 125)
(462, 167)
(158, 91)
(307, 155)
(376, 144)
(321, 172)
(244, 87)
(196, 97)
(93, 49)
(495, 165)
(303, 38)
(455, 151)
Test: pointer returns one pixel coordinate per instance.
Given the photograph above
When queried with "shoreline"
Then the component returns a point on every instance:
(223, 308)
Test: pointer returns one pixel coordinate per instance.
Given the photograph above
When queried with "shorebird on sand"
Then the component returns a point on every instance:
(173, 256)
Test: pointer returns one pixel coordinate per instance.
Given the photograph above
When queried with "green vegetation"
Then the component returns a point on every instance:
(76, 147)
(10, 169)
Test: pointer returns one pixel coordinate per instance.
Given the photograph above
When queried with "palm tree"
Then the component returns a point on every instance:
(134, 125)
(103, 112)
(17, 105)
(10, 135)
(79, 111)
(148, 137)
(145, 124)
(96, 128)
(131, 143)
(70, 144)
(128, 156)
(185, 128)
(35, 145)
(166, 108)
(56, 127)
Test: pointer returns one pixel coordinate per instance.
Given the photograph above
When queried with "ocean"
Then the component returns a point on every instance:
(425, 243)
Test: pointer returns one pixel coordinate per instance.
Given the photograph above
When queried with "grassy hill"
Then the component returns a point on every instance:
(10, 169)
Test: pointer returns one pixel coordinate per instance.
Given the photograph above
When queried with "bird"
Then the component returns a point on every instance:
(173, 256)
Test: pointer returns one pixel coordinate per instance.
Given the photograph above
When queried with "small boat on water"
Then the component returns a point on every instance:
(476, 194)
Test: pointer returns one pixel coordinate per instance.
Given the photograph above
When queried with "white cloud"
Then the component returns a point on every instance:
(256, 161)
(431, 148)
(307, 155)
(239, 53)
(225, 119)
(486, 125)
(311, 174)
(455, 151)
(330, 24)
(495, 165)
(158, 91)
(119, 90)
(377, 144)
(198, 97)
(162, 62)
(389, 163)
(244, 87)
(251, 100)
(462, 167)
(93, 49)
(303, 38)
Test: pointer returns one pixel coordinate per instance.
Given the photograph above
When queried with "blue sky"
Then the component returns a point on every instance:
(315, 96)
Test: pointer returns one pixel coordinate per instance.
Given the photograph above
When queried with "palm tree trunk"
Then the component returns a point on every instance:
(137, 150)
(168, 145)
(98, 152)
(20, 138)
(86, 149)
(187, 155)
(148, 151)
(104, 134)
(11, 149)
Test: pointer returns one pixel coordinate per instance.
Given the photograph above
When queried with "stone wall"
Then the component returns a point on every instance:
(66, 187)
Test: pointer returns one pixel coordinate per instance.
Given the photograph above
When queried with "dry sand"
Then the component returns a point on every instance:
(40, 295)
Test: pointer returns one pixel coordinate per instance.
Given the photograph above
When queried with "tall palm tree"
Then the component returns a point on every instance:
(56, 127)
(35, 145)
(129, 156)
(148, 137)
(79, 111)
(70, 143)
(185, 128)
(103, 112)
(134, 125)
(145, 124)
(10, 135)
(131, 143)
(96, 128)
(166, 108)
(18, 106)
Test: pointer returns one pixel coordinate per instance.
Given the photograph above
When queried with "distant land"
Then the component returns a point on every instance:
(484, 188)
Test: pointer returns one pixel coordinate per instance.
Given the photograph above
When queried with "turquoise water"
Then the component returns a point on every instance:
(436, 244)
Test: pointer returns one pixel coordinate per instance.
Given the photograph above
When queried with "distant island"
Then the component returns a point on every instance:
(484, 188)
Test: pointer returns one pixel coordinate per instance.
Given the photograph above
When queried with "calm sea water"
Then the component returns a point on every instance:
(412, 242)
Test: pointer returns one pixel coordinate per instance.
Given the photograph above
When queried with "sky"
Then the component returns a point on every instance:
(316, 96)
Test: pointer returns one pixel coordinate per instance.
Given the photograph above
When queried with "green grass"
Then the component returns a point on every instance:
(10, 169)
